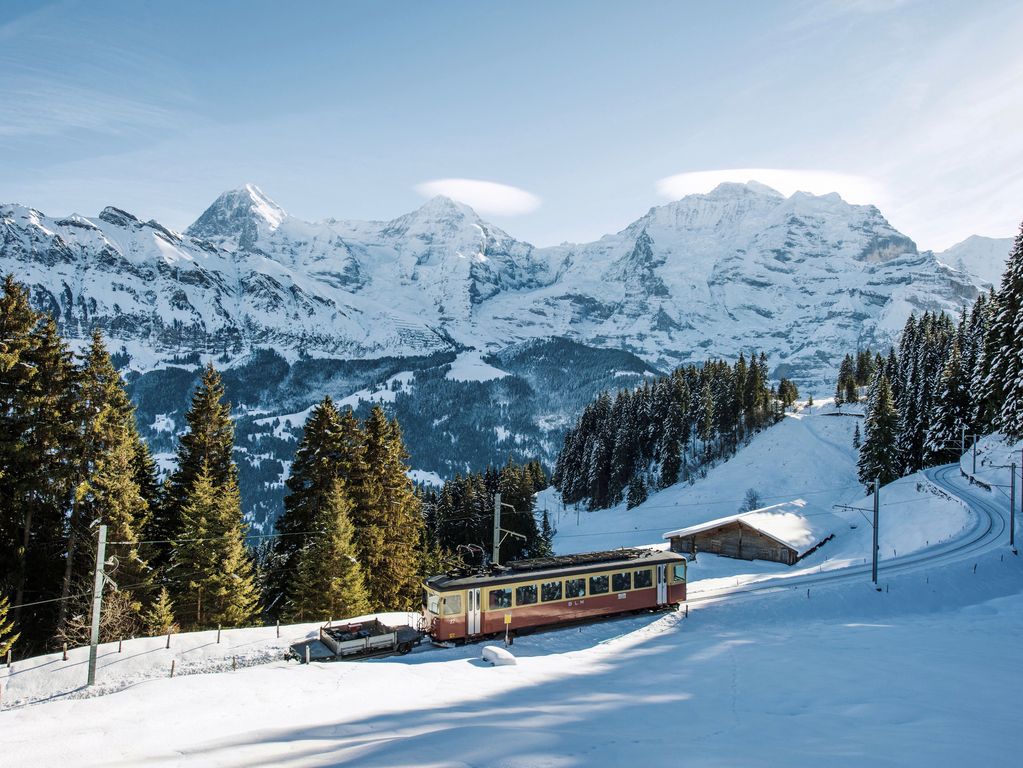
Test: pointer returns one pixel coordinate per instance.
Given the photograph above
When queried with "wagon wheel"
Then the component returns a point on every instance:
(404, 648)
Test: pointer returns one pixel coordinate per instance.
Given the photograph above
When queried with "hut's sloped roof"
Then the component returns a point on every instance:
(790, 523)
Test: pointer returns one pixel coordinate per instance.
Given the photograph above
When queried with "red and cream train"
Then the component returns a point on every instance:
(550, 591)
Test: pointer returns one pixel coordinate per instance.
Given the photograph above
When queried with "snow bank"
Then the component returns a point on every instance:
(47, 677)
(498, 656)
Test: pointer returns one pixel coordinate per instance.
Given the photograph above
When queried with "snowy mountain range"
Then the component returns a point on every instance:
(409, 312)
(804, 278)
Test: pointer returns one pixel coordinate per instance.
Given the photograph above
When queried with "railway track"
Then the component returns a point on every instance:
(986, 532)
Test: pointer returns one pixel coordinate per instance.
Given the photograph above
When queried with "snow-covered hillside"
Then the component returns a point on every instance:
(805, 278)
(923, 672)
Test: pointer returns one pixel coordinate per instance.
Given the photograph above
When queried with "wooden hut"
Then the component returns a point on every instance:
(783, 533)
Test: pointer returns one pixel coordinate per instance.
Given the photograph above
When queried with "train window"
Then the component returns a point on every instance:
(452, 605)
(525, 595)
(621, 582)
(680, 572)
(644, 578)
(575, 588)
(500, 598)
(550, 590)
(433, 602)
(598, 585)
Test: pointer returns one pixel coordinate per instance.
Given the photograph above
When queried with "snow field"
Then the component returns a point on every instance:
(846, 677)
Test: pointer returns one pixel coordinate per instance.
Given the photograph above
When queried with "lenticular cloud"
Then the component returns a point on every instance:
(484, 196)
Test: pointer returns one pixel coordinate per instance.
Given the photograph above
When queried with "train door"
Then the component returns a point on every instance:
(662, 584)
(474, 612)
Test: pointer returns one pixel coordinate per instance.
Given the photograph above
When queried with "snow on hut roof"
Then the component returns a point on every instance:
(789, 523)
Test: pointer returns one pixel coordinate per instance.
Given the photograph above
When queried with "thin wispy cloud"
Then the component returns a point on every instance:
(488, 197)
(50, 109)
(852, 188)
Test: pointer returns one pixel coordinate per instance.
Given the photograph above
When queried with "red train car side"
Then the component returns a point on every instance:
(552, 590)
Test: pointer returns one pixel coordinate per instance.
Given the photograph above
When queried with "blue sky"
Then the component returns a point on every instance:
(594, 111)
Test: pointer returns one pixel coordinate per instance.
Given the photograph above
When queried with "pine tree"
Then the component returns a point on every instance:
(856, 436)
(392, 525)
(879, 457)
(37, 443)
(322, 458)
(545, 544)
(159, 617)
(328, 580)
(637, 492)
(211, 571)
(207, 447)
(950, 412)
(8, 637)
(1005, 381)
(108, 472)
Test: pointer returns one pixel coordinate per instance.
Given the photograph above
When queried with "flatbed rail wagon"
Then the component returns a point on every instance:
(358, 640)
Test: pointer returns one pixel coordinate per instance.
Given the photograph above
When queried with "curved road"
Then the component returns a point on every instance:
(987, 532)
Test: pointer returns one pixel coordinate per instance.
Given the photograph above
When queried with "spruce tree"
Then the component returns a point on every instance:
(211, 571)
(206, 447)
(1005, 381)
(879, 456)
(950, 412)
(37, 443)
(108, 471)
(8, 637)
(856, 436)
(637, 492)
(392, 524)
(328, 580)
(320, 461)
(158, 619)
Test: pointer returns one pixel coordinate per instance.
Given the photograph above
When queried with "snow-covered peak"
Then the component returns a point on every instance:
(241, 214)
(981, 257)
(738, 189)
(436, 214)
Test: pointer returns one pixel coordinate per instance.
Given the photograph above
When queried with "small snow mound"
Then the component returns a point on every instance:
(499, 657)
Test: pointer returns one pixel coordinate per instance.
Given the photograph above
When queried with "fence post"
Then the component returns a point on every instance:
(65, 652)
(168, 639)
(172, 667)
(218, 634)
(278, 627)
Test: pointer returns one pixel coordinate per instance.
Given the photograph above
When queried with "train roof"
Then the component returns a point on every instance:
(540, 567)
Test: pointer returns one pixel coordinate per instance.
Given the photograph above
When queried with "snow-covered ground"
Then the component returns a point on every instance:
(809, 456)
(808, 665)
(925, 673)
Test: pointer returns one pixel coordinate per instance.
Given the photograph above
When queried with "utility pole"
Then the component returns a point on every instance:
(1012, 509)
(962, 439)
(97, 601)
(873, 570)
(974, 453)
(497, 529)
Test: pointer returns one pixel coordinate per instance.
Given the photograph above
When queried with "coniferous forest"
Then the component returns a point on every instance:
(666, 430)
(178, 554)
(946, 383)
